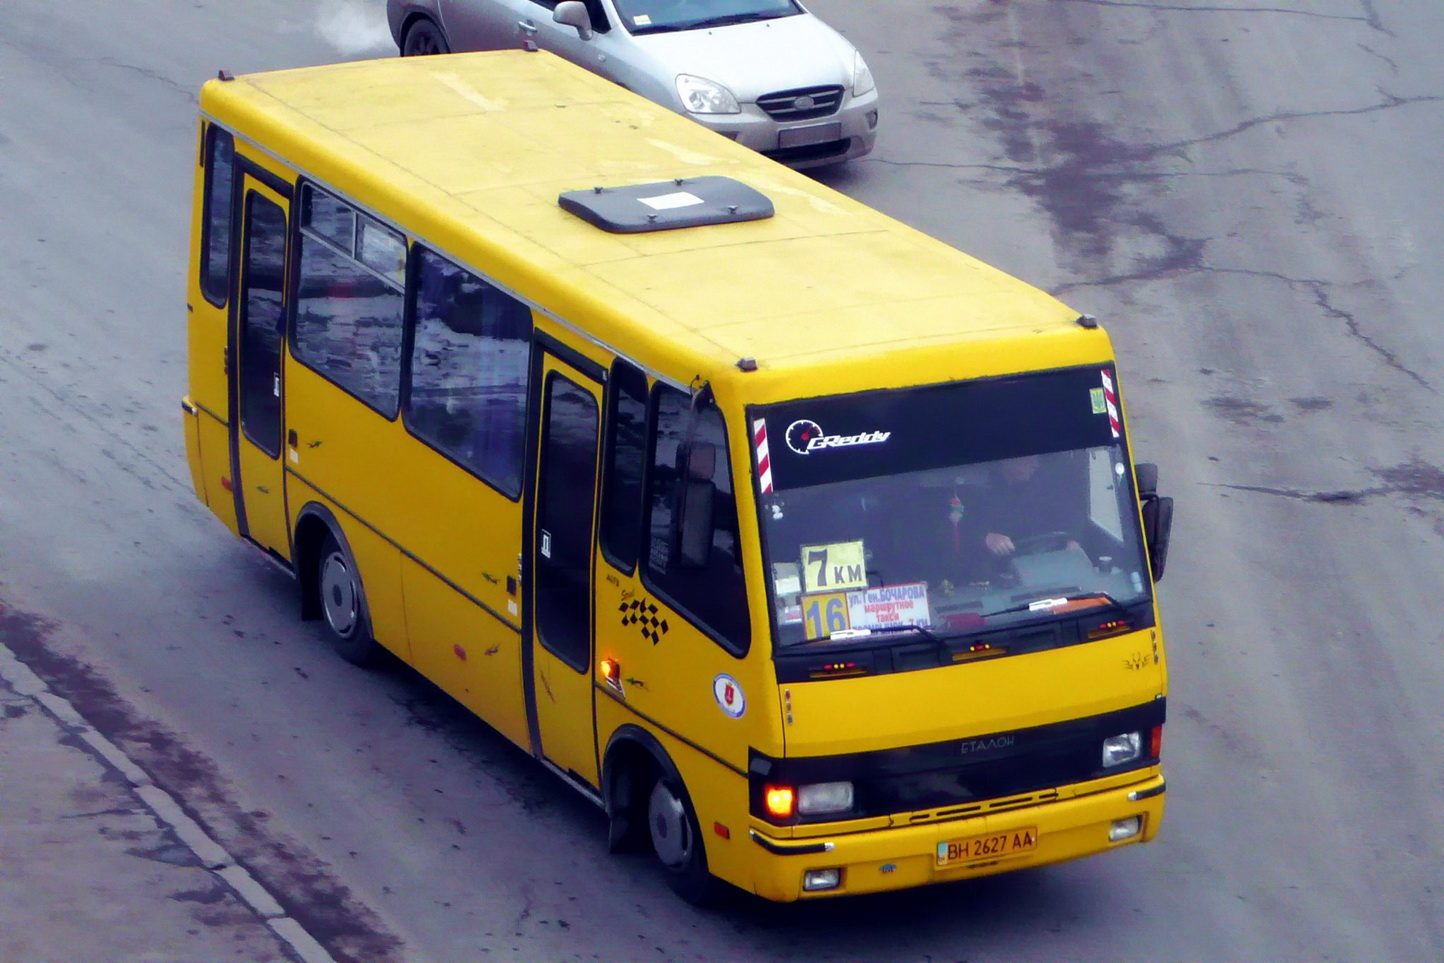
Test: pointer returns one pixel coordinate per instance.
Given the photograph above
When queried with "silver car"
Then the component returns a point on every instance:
(765, 73)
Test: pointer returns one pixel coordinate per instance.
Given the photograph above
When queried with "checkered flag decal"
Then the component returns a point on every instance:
(643, 613)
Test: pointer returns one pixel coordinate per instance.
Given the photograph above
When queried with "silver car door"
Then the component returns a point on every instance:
(604, 53)
(479, 24)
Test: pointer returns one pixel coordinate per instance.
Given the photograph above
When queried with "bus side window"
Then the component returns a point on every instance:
(626, 461)
(216, 221)
(711, 594)
(469, 369)
(349, 300)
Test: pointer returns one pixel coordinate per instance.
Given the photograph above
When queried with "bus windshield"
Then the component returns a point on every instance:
(951, 510)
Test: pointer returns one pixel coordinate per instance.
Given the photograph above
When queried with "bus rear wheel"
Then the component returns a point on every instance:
(677, 841)
(343, 605)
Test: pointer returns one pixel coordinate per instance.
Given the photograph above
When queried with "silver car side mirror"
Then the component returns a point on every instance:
(573, 13)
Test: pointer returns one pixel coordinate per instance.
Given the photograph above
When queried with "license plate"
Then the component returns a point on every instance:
(805, 136)
(970, 849)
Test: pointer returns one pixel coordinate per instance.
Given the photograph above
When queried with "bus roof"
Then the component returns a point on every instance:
(471, 151)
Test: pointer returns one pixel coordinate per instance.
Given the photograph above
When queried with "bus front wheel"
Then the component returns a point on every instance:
(343, 605)
(677, 841)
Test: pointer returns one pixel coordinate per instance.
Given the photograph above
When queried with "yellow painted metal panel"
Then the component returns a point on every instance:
(672, 681)
(465, 650)
(470, 151)
(192, 430)
(893, 859)
(1000, 695)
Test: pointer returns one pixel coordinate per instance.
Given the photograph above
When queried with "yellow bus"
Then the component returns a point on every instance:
(809, 547)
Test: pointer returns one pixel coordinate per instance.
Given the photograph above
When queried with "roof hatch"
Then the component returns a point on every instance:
(666, 205)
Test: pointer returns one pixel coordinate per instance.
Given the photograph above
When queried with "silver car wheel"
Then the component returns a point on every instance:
(424, 38)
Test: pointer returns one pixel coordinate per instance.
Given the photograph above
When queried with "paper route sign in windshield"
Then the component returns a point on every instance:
(878, 608)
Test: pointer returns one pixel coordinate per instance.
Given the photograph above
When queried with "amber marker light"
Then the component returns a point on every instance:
(1111, 627)
(1155, 742)
(780, 801)
(611, 673)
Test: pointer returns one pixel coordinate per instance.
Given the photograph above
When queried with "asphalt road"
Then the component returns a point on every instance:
(1247, 196)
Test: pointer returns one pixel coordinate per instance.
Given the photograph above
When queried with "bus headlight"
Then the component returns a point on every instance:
(1120, 749)
(702, 96)
(824, 797)
(816, 879)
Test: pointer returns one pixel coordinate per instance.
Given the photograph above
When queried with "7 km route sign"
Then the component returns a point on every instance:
(832, 567)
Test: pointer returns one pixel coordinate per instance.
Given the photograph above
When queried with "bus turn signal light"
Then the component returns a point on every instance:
(780, 801)
(611, 673)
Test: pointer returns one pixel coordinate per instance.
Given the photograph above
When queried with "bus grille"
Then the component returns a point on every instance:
(959, 778)
(978, 809)
(803, 103)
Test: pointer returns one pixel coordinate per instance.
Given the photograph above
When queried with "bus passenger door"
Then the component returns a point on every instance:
(562, 540)
(257, 328)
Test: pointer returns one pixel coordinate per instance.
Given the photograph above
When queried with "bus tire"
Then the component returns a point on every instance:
(423, 37)
(343, 605)
(677, 842)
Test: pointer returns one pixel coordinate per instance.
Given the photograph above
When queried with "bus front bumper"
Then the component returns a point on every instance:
(903, 857)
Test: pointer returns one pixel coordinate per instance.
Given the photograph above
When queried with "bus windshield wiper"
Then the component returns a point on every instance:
(922, 630)
(1048, 605)
(850, 635)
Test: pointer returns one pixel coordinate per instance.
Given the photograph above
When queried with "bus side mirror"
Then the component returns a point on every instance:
(573, 13)
(1157, 516)
(697, 512)
(1147, 474)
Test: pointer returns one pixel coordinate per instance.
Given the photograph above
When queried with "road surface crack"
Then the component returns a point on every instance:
(1415, 478)
(152, 75)
(1369, 18)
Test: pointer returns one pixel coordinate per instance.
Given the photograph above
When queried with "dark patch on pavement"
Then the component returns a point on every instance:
(1078, 172)
(429, 708)
(172, 854)
(1414, 479)
(293, 875)
(215, 894)
(1241, 411)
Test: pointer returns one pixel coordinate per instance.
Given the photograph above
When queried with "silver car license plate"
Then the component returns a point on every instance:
(804, 136)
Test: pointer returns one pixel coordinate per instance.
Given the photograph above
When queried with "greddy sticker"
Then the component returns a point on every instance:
(804, 437)
(728, 693)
